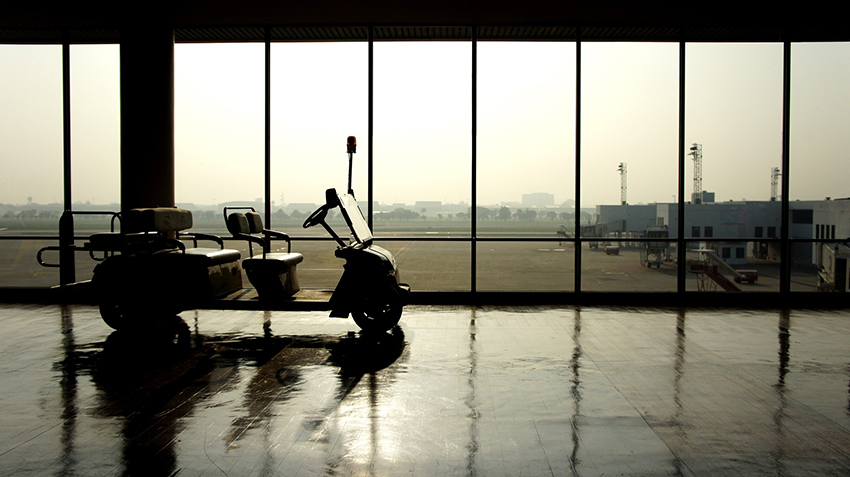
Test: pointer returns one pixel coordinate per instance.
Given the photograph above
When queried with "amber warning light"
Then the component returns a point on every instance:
(352, 144)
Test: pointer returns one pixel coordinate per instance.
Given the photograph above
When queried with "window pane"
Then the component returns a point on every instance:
(95, 134)
(31, 156)
(526, 138)
(219, 116)
(31, 144)
(422, 124)
(734, 136)
(629, 161)
(820, 115)
(734, 129)
(319, 98)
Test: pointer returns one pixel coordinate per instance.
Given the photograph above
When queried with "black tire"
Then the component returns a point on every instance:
(113, 316)
(107, 293)
(381, 311)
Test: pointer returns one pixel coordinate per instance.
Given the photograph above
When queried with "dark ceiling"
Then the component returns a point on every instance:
(340, 20)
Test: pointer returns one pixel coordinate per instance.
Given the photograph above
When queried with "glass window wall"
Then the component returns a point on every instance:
(31, 157)
(422, 180)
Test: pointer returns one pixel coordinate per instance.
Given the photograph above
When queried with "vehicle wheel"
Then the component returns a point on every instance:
(103, 282)
(113, 315)
(381, 311)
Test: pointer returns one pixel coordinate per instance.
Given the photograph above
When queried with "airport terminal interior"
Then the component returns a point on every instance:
(578, 324)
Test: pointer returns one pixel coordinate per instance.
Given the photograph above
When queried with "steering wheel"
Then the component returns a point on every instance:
(316, 218)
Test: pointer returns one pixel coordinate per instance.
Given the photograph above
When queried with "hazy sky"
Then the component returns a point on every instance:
(422, 120)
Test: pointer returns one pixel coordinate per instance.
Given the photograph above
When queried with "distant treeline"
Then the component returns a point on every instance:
(482, 213)
(33, 214)
(14, 220)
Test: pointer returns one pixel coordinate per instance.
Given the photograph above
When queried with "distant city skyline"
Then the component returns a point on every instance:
(422, 150)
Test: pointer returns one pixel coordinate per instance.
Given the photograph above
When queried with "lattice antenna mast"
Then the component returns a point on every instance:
(774, 183)
(623, 182)
(696, 152)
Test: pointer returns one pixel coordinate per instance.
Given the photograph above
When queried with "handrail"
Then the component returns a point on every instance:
(712, 256)
(67, 237)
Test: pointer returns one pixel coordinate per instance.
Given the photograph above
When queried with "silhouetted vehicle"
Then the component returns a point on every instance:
(654, 252)
(146, 271)
(833, 261)
(369, 289)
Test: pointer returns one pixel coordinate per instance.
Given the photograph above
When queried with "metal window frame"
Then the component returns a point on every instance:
(67, 234)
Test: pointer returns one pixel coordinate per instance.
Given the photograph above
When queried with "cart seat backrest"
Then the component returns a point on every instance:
(255, 222)
(237, 224)
(248, 223)
(157, 219)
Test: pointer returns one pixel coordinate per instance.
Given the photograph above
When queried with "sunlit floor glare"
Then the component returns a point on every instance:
(452, 390)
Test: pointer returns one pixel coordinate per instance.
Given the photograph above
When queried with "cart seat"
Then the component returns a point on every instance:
(273, 275)
(156, 219)
(143, 230)
(201, 272)
(211, 256)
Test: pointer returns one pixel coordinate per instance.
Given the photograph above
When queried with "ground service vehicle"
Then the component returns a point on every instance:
(369, 289)
(654, 252)
(146, 272)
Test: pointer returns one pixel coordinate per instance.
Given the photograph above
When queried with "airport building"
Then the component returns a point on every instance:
(734, 225)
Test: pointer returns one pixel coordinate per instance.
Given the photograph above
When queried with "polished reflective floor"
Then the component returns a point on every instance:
(452, 391)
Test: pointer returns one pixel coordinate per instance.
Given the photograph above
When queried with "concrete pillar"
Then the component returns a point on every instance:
(147, 117)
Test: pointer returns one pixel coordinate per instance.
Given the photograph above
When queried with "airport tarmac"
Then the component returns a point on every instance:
(452, 391)
(445, 266)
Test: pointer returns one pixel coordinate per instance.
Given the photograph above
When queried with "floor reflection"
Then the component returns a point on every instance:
(152, 379)
(453, 391)
(784, 360)
(471, 399)
(68, 385)
(576, 393)
(678, 419)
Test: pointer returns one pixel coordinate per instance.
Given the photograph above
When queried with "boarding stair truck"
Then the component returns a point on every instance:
(834, 267)
(564, 234)
(712, 271)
